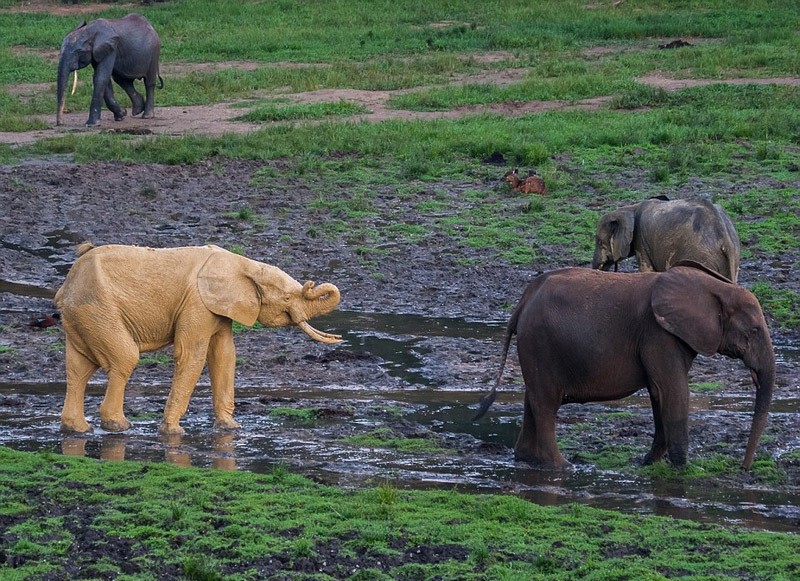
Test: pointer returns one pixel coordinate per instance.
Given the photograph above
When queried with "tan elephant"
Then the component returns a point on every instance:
(120, 301)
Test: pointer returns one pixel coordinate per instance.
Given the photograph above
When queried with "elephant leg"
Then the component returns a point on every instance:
(537, 439)
(659, 446)
(137, 101)
(101, 80)
(79, 370)
(671, 410)
(221, 368)
(150, 92)
(190, 358)
(126, 357)
(111, 103)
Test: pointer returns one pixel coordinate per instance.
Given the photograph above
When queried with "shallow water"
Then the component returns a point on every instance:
(29, 420)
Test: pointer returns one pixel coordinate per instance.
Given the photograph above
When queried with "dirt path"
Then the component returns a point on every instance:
(220, 118)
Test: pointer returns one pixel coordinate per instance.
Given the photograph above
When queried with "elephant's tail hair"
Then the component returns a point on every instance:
(161, 81)
(84, 247)
(488, 399)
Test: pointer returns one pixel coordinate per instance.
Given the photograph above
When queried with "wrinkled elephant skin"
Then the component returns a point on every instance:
(119, 301)
(662, 232)
(586, 335)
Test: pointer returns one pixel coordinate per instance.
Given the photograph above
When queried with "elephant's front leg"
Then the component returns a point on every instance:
(221, 368)
(190, 358)
(672, 408)
(100, 83)
(659, 446)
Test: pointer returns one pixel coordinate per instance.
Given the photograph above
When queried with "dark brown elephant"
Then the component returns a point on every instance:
(586, 335)
(662, 232)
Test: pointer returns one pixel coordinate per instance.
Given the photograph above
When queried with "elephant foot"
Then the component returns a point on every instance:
(75, 426)
(115, 425)
(226, 424)
(121, 114)
(167, 429)
(148, 115)
(92, 122)
(556, 463)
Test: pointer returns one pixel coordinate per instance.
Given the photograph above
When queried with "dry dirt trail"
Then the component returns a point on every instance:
(220, 118)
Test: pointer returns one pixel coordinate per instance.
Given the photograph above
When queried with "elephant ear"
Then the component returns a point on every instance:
(227, 288)
(685, 304)
(103, 48)
(620, 229)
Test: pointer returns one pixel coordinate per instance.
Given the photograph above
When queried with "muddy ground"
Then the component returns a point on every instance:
(422, 326)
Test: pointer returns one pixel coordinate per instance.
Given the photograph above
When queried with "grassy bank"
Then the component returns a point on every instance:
(86, 519)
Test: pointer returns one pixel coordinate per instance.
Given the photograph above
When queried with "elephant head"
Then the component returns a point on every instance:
(84, 44)
(713, 315)
(248, 291)
(614, 237)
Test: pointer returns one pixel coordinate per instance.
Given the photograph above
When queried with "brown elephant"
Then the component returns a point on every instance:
(586, 335)
(662, 232)
(118, 301)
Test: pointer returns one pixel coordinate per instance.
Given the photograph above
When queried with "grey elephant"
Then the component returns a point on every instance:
(118, 301)
(124, 50)
(661, 232)
(584, 336)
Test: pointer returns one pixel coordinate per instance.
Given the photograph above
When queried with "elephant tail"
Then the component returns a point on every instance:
(83, 248)
(161, 82)
(488, 399)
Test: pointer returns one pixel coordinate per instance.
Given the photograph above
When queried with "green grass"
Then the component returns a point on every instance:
(706, 387)
(385, 438)
(281, 112)
(208, 524)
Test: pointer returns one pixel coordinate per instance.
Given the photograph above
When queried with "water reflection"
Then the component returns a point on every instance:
(113, 448)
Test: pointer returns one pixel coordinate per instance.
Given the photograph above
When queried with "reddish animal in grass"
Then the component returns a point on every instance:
(529, 185)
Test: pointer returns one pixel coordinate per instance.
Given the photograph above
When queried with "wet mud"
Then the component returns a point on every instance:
(393, 403)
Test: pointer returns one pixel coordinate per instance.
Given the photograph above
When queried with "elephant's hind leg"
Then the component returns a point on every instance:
(137, 101)
(79, 370)
(537, 439)
(126, 357)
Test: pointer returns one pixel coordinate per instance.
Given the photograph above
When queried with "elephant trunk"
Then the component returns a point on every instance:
(61, 87)
(764, 379)
(602, 261)
(319, 300)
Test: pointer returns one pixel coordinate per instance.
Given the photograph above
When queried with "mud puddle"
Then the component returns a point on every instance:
(415, 438)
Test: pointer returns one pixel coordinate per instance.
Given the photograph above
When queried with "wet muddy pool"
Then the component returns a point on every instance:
(415, 438)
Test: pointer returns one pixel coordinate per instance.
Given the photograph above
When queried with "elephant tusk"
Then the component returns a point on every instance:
(74, 82)
(320, 336)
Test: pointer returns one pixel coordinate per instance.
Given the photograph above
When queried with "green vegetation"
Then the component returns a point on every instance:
(385, 438)
(282, 112)
(155, 359)
(302, 415)
(706, 387)
(167, 521)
